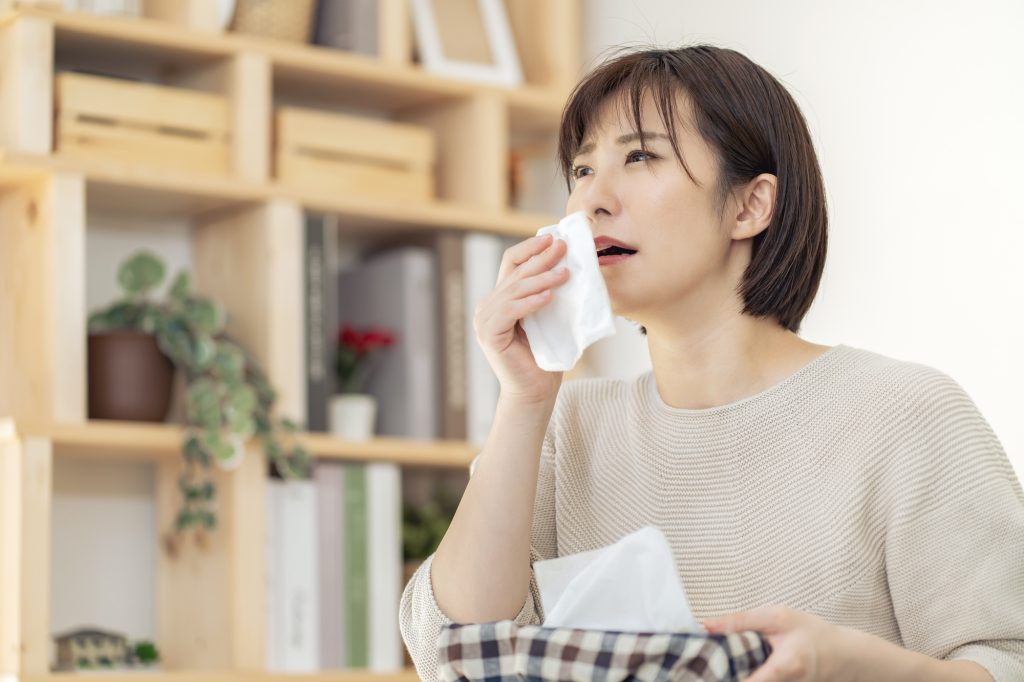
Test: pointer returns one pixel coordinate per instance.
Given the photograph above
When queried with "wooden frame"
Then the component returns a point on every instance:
(449, 40)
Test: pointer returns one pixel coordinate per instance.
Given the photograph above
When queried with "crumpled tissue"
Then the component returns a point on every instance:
(630, 586)
(580, 311)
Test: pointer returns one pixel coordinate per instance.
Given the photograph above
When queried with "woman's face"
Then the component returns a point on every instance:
(684, 262)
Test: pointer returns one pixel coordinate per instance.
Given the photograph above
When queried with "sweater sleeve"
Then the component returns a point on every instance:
(421, 619)
(954, 545)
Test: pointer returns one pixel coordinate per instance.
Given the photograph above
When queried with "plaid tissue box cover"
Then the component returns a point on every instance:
(507, 651)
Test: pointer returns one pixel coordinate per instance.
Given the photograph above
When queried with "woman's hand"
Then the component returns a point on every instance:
(526, 279)
(804, 647)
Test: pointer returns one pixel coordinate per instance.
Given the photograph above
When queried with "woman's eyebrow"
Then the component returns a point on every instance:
(623, 139)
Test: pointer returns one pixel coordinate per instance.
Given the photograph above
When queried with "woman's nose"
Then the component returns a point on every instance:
(596, 195)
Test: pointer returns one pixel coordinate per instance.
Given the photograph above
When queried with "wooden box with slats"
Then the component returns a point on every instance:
(340, 153)
(142, 124)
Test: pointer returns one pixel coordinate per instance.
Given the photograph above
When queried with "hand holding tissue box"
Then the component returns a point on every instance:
(630, 586)
(580, 311)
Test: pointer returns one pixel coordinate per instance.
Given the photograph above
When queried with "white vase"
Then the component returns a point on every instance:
(352, 416)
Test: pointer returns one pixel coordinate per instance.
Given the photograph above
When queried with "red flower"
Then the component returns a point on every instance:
(355, 347)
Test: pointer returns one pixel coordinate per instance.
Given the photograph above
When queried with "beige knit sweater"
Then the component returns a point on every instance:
(866, 490)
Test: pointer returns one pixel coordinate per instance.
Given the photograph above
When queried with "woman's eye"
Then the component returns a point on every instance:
(578, 172)
(632, 156)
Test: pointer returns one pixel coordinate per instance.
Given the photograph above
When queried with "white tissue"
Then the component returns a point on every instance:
(579, 312)
(630, 586)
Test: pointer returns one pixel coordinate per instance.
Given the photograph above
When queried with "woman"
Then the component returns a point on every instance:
(855, 509)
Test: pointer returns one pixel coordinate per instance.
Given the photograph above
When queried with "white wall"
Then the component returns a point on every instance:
(915, 108)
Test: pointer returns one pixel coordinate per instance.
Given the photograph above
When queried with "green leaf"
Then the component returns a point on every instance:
(229, 362)
(175, 341)
(204, 351)
(184, 519)
(150, 317)
(208, 520)
(243, 399)
(203, 403)
(140, 273)
(203, 315)
(181, 288)
(122, 315)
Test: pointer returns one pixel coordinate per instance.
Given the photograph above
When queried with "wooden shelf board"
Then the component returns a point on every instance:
(228, 676)
(128, 189)
(156, 442)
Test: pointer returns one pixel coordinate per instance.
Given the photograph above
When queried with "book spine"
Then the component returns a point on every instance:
(300, 577)
(384, 527)
(330, 481)
(317, 363)
(419, 306)
(482, 258)
(356, 567)
(452, 320)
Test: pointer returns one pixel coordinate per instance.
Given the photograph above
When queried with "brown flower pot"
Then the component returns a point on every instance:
(129, 377)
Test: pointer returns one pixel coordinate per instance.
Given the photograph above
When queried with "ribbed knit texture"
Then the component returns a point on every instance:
(866, 490)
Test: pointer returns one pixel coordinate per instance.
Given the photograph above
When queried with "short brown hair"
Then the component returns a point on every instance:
(753, 126)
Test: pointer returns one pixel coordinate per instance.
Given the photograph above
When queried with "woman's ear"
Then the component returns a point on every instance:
(757, 205)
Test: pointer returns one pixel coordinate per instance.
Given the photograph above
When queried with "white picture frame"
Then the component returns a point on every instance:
(503, 69)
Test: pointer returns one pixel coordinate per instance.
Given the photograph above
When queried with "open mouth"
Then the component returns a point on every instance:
(613, 254)
(615, 251)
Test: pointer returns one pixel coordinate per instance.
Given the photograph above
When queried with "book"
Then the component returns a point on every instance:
(330, 487)
(357, 606)
(482, 254)
(349, 25)
(321, 323)
(451, 316)
(384, 566)
(396, 289)
(293, 621)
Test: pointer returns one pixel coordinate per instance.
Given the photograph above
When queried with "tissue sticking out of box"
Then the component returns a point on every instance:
(630, 586)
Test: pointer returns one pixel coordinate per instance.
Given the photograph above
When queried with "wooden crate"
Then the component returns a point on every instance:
(141, 124)
(331, 152)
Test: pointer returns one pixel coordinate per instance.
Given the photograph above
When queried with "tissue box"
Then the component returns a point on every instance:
(507, 651)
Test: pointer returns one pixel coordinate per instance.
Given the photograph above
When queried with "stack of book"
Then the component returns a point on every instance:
(334, 569)
(435, 381)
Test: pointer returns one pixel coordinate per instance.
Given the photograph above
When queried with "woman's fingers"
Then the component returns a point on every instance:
(505, 318)
(529, 253)
(527, 286)
(520, 298)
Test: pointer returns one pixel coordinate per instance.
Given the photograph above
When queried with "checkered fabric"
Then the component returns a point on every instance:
(506, 651)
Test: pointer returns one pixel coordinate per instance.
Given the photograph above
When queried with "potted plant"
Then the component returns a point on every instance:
(353, 412)
(228, 399)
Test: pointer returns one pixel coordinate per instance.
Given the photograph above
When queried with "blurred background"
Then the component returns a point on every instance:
(282, 213)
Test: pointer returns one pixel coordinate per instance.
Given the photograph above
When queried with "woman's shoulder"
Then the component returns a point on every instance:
(904, 383)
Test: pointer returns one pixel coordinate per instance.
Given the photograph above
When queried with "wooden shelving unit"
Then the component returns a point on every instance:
(247, 253)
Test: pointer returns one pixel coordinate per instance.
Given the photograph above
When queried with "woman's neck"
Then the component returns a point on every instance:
(724, 361)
